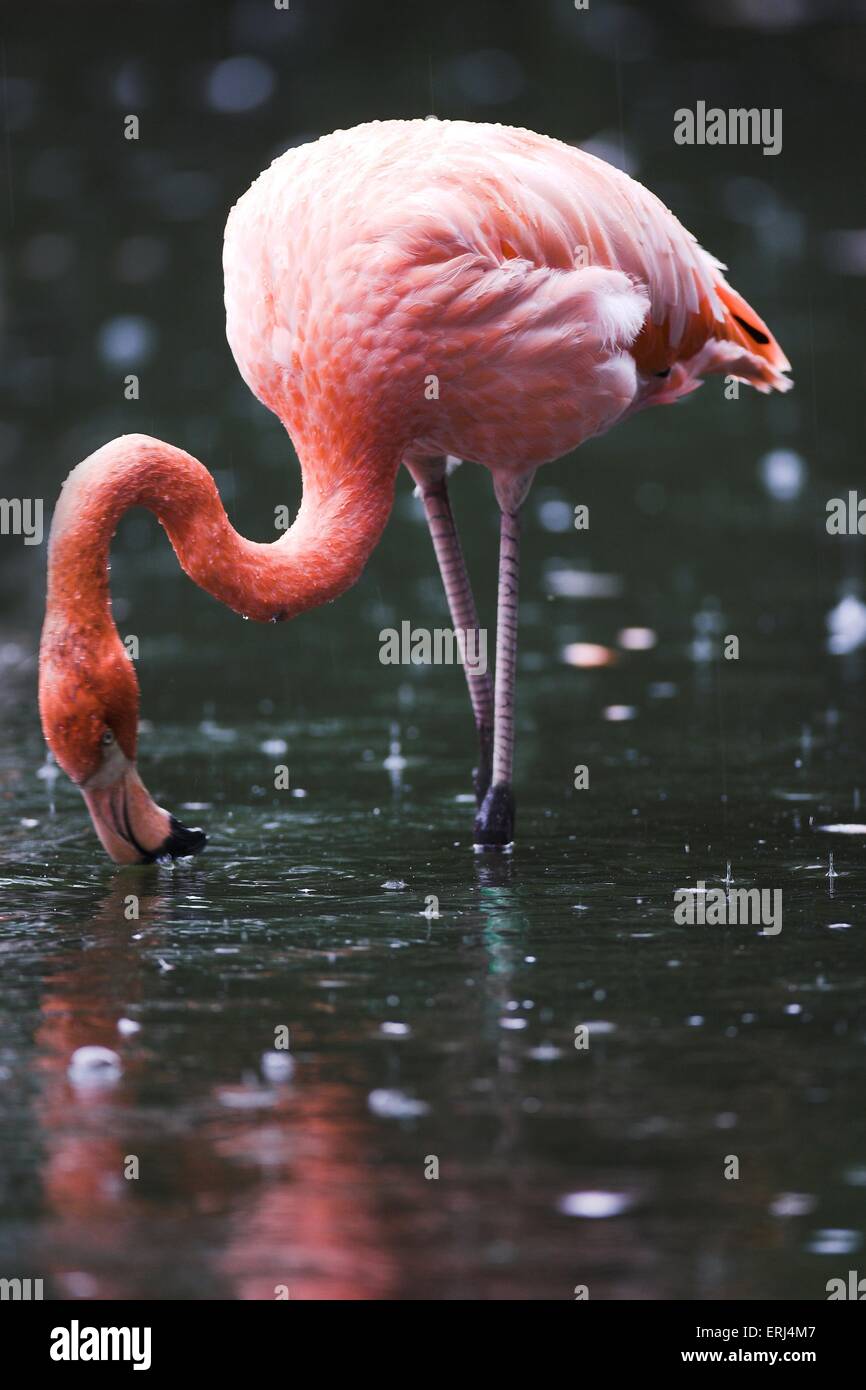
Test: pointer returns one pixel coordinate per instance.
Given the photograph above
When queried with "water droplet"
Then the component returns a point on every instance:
(94, 1066)
(395, 1030)
(277, 1066)
(619, 714)
(595, 1205)
(637, 639)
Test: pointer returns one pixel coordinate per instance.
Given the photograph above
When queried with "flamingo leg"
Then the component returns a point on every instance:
(494, 823)
(430, 477)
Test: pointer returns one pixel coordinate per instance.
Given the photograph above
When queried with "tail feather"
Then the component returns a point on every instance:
(720, 333)
(729, 357)
(747, 329)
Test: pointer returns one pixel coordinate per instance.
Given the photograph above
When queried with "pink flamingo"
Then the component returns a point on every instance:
(395, 293)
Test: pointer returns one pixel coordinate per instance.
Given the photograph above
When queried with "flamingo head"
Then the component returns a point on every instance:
(91, 724)
(131, 826)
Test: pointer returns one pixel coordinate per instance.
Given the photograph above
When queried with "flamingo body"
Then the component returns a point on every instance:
(395, 293)
(544, 289)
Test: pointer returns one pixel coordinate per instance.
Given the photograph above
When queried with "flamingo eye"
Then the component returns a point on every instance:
(107, 738)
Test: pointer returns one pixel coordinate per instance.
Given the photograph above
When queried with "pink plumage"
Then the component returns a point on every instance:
(542, 289)
(396, 293)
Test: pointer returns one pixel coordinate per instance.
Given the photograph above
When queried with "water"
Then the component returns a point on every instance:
(417, 1036)
(432, 996)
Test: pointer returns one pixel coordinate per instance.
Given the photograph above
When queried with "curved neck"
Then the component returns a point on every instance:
(342, 515)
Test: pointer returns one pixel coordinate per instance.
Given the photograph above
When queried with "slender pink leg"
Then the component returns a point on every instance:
(432, 485)
(494, 824)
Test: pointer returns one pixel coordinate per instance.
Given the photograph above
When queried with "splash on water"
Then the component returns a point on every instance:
(595, 1206)
(846, 624)
(95, 1067)
(396, 1105)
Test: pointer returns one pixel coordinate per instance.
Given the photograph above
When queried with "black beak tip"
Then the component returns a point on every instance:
(182, 840)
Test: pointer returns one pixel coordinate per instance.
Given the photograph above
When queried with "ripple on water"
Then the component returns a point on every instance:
(395, 1105)
(793, 1204)
(595, 1206)
(835, 1241)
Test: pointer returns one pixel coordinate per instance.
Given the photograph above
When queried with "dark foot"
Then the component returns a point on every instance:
(494, 824)
(482, 773)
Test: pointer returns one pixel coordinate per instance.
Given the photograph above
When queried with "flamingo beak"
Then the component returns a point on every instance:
(132, 828)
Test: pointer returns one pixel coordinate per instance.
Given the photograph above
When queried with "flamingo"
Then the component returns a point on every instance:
(399, 294)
